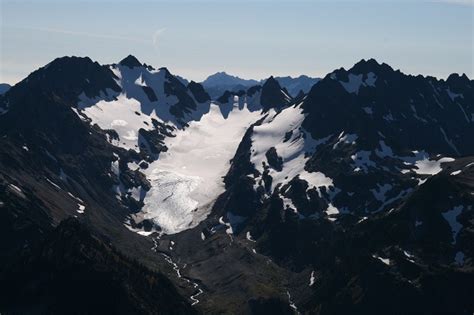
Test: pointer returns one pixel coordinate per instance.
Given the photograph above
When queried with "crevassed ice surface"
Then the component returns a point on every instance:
(187, 178)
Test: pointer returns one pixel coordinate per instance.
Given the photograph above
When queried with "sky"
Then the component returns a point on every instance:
(251, 39)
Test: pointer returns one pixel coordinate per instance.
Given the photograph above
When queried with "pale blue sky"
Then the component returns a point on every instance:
(252, 39)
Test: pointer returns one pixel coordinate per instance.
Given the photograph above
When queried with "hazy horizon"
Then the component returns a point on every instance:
(249, 39)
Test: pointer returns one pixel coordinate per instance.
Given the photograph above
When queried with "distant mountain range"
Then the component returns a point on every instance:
(127, 189)
(220, 82)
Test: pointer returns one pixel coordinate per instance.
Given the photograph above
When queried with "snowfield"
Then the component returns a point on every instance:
(120, 115)
(187, 178)
(272, 133)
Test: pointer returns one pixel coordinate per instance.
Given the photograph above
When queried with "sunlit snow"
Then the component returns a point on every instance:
(120, 115)
(312, 279)
(384, 260)
(272, 134)
(81, 208)
(430, 167)
(187, 178)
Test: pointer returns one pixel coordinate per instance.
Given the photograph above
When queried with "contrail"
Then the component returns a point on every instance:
(156, 37)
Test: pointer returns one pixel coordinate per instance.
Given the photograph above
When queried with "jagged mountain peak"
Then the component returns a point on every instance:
(221, 74)
(369, 65)
(68, 77)
(165, 69)
(363, 69)
(271, 80)
(456, 79)
(372, 98)
(273, 96)
(130, 61)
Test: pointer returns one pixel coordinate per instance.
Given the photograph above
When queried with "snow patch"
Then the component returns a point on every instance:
(249, 237)
(459, 258)
(292, 304)
(120, 115)
(430, 167)
(312, 279)
(451, 217)
(384, 260)
(53, 184)
(331, 210)
(81, 208)
(354, 82)
(76, 198)
(345, 138)
(16, 188)
(362, 160)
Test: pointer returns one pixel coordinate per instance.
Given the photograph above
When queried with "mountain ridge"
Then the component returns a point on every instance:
(358, 191)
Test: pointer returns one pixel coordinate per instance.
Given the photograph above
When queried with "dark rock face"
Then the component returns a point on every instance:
(4, 88)
(131, 62)
(254, 89)
(185, 104)
(270, 306)
(150, 93)
(272, 95)
(241, 165)
(307, 201)
(55, 79)
(224, 98)
(198, 91)
(300, 96)
(74, 270)
(273, 159)
(257, 97)
(416, 112)
(153, 140)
